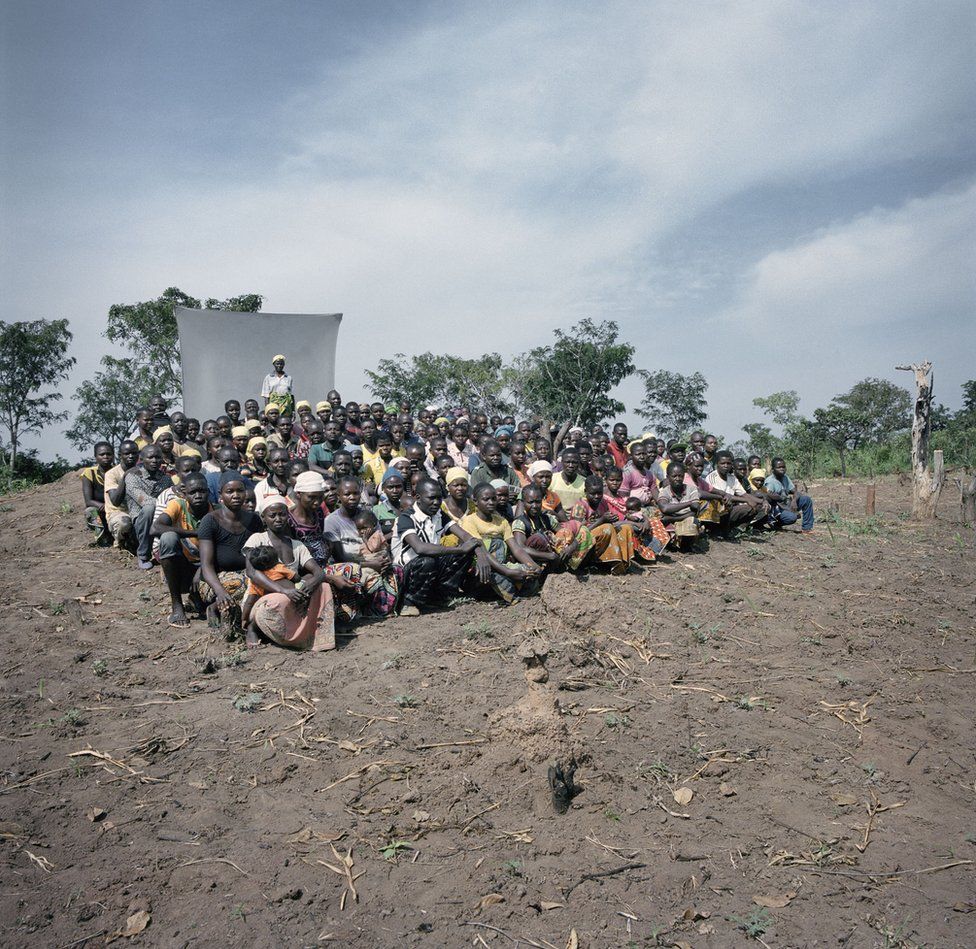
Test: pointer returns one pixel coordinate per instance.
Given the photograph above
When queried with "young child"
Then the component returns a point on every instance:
(369, 530)
(266, 560)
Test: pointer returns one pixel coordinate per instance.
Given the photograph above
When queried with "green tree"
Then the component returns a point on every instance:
(781, 407)
(570, 380)
(148, 330)
(883, 407)
(842, 427)
(33, 357)
(445, 380)
(969, 398)
(673, 404)
(107, 403)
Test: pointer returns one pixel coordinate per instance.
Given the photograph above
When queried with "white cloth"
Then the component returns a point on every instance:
(301, 555)
(429, 528)
(730, 484)
(275, 385)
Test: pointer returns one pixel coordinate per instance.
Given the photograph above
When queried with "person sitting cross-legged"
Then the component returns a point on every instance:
(93, 492)
(790, 504)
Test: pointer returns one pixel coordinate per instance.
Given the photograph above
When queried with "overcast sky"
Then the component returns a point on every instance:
(780, 195)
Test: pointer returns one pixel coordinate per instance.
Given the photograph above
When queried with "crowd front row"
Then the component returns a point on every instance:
(284, 528)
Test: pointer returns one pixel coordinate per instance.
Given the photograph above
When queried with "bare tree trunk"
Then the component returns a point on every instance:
(926, 482)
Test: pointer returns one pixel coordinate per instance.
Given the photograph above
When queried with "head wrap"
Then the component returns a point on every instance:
(309, 482)
(441, 420)
(162, 430)
(276, 358)
(390, 474)
(251, 424)
(396, 462)
(430, 408)
(231, 474)
(190, 450)
(323, 407)
(303, 404)
(504, 430)
(457, 474)
(239, 431)
(538, 466)
(462, 420)
(498, 483)
(576, 428)
(257, 440)
(270, 500)
(757, 473)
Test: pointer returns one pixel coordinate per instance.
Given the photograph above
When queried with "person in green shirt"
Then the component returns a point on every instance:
(319, 454)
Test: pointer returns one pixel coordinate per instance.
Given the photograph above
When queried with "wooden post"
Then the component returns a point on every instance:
(926, 482)
(869, 505)
(967, 497)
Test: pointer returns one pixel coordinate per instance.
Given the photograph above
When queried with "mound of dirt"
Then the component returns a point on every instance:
(776, 742)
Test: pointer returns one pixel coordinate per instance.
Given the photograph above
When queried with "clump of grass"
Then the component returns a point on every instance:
(756, 924)
(405, 701)
(248, 702)
(479, 630)
(100, 667)
(610, 814)
(613, 720)
(513, 868)
(392, 663)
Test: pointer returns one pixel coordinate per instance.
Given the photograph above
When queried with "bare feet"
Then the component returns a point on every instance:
(177, 619)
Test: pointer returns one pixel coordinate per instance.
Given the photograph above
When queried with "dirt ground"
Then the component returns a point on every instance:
(775, 744)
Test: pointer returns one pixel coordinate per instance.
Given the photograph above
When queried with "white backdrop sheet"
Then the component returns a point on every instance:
(226, 355)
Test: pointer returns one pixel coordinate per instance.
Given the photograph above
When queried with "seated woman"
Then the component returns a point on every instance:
(379, 581)
(257, 457)
(712, 500)
(486, 525)
(650, 535)
(221, 535)
(457, 504)
(164, 441)
(613, 541)
(679, 502)
(93, 492)
(298, 615)
(540, 535)
(541, 474)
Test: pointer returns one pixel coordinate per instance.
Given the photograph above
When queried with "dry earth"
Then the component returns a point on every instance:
(776, 747)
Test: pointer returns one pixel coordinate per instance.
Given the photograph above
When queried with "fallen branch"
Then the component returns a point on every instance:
(230, 863)
(599, 874)
(518, 940)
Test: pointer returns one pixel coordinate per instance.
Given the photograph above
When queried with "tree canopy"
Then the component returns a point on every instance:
(33, 357)
(673, 404)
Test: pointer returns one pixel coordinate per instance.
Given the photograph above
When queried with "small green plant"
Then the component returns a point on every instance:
(238, 913)
(72, 717)
(479, 630)
(100, 667)
(56, 607)
(7, 508)
(613, 720)
(755, 553)
(843, 681)
(756, 924)
(748, 703)
(699, 635)
(40, 689)
(392, 663)
(248, 702)
(394, 848)
(235, 659)
(66, 508)
(405, 701)
(659, 769)
(610, 814)
(513, 868)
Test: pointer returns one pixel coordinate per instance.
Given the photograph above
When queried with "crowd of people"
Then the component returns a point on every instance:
(284, 521)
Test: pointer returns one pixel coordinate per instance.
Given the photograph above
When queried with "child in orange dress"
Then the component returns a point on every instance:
(266, 560)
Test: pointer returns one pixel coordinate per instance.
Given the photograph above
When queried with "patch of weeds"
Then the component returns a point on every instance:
(613, 720)
(56, 607)
(869, 768)
(513, 868)
(610, 814)
(239, 658)
(829, 561)
(40, 689)
(66, 508)
(72, 717)
(970, 838)
(756, 924)
(145, 597)
(699, 635)
(811, 640)
(660, 769)
(248, 702)
(843, 681)
(392, 663)
(7, 508)
(755, 553)
(100, 667)
(394, 848)
(749, 702)
(238, 913)
(405, 701)
(479, 630)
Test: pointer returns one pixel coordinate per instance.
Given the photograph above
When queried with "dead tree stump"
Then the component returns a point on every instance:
(926, 482)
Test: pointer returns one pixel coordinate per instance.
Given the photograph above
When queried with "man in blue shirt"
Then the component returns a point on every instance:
(791, 505)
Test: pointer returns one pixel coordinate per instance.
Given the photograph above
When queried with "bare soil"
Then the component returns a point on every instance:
(815, 697)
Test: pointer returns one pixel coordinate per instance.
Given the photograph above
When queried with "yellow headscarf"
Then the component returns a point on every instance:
(257, 440)
(457, 474)
(303, 404)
